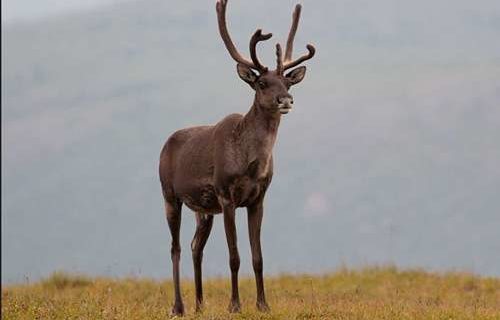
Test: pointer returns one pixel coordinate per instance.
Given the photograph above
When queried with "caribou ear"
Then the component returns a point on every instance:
(246, 74)
(296, 75)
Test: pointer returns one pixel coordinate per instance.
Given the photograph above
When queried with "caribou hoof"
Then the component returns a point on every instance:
(178, 310)
(199, 307)
(263, 307)
(234, 307)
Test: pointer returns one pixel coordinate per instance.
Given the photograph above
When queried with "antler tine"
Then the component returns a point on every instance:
(305, 57)
(293, 31)
(279, 59)
(289, 43)
(221, 19)
(256, 38)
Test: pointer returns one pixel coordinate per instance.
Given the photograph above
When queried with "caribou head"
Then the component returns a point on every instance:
(271, 86)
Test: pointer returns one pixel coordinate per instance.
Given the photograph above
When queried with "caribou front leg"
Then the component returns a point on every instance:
(255, 213)
(234, 257)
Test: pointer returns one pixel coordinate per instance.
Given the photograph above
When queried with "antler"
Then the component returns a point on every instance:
(257, 37)
(288, 63)
(293, 31)
(279, 59)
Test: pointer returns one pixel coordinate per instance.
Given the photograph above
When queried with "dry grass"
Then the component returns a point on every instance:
(372, 293)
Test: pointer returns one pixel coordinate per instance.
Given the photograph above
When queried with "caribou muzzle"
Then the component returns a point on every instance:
(285, 105)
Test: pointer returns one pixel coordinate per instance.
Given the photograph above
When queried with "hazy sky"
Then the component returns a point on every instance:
(390, 155)
(20, 10)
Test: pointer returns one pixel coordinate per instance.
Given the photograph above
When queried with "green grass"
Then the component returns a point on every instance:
(371, 293)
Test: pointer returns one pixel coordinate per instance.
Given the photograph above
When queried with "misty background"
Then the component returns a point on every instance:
(390, 156)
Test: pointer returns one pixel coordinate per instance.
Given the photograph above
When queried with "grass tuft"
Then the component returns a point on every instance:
(61, 280)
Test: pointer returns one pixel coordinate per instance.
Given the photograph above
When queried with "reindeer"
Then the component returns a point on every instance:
(216, 169)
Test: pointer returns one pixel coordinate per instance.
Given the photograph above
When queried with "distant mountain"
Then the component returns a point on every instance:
(391, 155)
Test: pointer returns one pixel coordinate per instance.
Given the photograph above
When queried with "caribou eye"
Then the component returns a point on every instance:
(262, 84)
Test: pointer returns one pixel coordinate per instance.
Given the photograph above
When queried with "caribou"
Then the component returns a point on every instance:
(217, 168)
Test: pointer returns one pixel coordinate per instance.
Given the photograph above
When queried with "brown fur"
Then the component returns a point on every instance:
(216, 169)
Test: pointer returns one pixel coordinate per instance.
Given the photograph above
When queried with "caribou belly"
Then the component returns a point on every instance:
(203, 200)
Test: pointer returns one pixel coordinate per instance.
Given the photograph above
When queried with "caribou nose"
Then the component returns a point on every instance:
(285, 100)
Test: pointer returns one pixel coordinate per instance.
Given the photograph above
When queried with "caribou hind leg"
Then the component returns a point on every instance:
(204, 224)
(173, 212)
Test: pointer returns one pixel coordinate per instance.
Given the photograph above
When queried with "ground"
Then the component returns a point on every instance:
(370, 293)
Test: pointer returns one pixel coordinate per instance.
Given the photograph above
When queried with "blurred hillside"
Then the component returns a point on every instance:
(391, 154)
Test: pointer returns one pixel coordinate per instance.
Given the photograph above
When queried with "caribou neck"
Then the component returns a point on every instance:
(259, 130)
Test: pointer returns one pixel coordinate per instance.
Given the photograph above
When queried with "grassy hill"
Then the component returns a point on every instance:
(371, 293)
